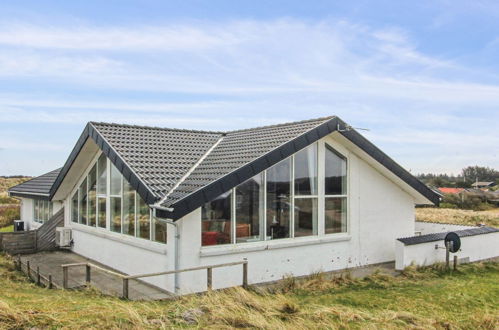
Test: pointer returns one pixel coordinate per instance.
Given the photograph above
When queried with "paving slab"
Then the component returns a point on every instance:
(50, 264)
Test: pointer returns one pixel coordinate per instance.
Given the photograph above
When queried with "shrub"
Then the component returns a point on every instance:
(448, 206)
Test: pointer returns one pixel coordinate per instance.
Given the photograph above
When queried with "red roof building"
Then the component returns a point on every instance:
(451, 190)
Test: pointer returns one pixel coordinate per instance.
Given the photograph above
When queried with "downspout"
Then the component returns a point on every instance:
(176, 261)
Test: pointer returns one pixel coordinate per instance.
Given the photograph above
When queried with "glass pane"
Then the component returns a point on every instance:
(51, 209)
(336, 215)
(249, 210)
(143, 219)
(159, 231)
(45, 211)
(216, 221)
(74, 207)
(115, 214)
(278, 200)
(306, 171)
(305, 217)
(101, 212)
(102, 175)
(83, 203)
(336, 173)
(128, 209)
(92, 196)
(42, 211)
(115, 181)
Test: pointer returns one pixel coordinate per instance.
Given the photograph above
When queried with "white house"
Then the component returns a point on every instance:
(290, 199)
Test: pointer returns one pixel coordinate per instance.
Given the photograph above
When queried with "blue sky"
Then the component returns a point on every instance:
(423, 76)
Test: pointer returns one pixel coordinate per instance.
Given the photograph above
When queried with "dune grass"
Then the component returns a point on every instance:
(419, 298)
(458, 217)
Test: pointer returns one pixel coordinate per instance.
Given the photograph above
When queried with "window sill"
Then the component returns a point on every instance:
(271, 245)
(121, 238)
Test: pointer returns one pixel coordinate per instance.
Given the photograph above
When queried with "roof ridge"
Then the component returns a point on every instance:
(282, 124)
(192, 169)
(157, 128)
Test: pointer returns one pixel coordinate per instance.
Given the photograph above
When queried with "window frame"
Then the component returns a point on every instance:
(320, 197)
(42, 210)
(107, 229)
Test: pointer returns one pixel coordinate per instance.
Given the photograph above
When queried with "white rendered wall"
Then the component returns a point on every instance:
(424, 228)
(125, 254)
(478, 247)
(379, 213)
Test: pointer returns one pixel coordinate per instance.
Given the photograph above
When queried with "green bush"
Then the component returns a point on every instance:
(448, 206)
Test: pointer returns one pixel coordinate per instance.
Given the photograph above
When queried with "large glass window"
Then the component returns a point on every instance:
(282, 202)
(128, 209)
(306, 192)
(74, 207)
(335, 172)
(216, 220)
(335, 190)
(279, 200)
(82, 202)
(335, 215)
(159, 231)
(306, 171)
(102, 175)
(92, 196)
(249, 210)
(42, 210)
(101, 212)
(106, 200)
(144, 219)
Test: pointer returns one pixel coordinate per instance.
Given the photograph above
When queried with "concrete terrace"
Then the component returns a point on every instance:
(50, 264)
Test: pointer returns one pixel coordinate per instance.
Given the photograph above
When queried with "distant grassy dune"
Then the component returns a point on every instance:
(461, 217)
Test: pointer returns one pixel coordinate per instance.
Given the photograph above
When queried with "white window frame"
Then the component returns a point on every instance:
(320, 196)
(106, 231)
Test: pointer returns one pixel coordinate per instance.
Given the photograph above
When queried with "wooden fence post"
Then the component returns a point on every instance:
(209, 273)
(64, 277)
(125, 288)
(50, 282)
(28, 269)
(245, 275)
(455, 262)
(38, 277)
(88, 277)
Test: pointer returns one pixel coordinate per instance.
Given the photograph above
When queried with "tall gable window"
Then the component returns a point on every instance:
(106, 200)
(283, 201)
(335, 191)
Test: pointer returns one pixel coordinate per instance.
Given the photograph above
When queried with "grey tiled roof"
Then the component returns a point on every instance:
(160, 157)
(238, 148)
(39, 186)
(182, 169)
(440, 236)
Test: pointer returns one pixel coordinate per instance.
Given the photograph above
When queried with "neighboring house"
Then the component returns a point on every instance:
(291, 199)
(481, 185)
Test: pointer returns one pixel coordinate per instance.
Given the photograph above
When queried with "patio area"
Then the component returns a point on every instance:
(50, 263)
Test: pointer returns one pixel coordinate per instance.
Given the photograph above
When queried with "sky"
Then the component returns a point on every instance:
(422, 76)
